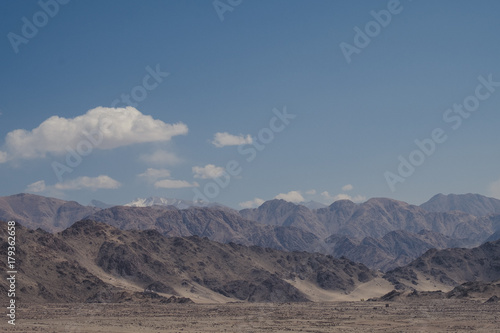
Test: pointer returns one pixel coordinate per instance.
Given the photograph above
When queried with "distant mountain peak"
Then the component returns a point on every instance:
(474, 204)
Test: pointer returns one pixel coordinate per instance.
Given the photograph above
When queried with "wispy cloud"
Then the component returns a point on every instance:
(495, 189)
(174, 184)
(225, 139)
(347, 187)
(90, 183)
(256, 202)
(161, 157)
(208, 171)
(80, 183)
(37, 187)
(151, 175)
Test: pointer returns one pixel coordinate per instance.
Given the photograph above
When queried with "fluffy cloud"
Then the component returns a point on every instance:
(347, 187)
(328, 199)
(311, 192)
(208, 171)
(256, 202)
(292, 196)
(152, 175)
(495, 189)
(104, 128)
(161, 157)
(90, 183)
(36, 187)
(226, 139)
(172, 183)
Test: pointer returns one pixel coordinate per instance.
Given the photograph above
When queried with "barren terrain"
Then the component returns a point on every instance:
(411, 316)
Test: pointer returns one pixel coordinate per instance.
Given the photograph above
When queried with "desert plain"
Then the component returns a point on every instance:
(361, 316)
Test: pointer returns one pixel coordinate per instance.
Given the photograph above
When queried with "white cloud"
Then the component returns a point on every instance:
(208, 171)
(226, 139)
(495, 189)
(311, 192)
(36, 187)
(152, 175)
(256, 202)
(172, 183)
(104, 128)
(328, 199)
(347, 187)
(358, 198)
(161, 157)
(91, 183)
(3, 157)
(292, 196)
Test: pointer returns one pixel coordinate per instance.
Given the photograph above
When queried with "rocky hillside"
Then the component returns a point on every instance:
(95, 262)
(450, 267)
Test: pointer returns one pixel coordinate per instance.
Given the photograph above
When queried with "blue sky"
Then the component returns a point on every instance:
(352, 120)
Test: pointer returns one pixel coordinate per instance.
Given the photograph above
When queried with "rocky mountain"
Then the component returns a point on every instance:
(381, 233)
(95, 262)
(494, 237)
(373, 218)
(279, 212)
(447, 268)
(218, 224)
(395, 249)
(50, 214)
(474, 204)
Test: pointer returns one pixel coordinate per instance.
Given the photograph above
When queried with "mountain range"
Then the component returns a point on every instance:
(95, 262)
(381, 233)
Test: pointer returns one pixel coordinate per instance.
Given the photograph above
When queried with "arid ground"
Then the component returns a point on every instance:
(429, 316)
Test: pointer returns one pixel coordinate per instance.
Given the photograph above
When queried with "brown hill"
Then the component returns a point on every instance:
(35, 211)
(92, 261)
(476, 290)
(449, 267)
